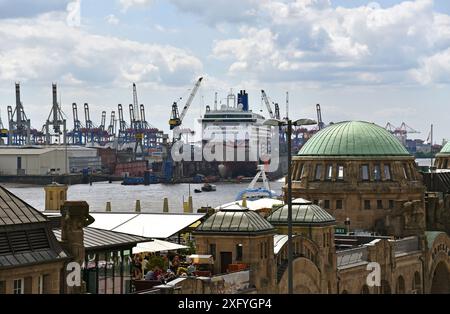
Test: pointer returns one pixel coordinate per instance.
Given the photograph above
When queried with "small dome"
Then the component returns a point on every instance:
(445, 150)
(302, 214)
(353, 138)
(235, 219)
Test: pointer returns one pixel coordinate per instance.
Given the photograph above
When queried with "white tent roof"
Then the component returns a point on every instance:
(157, 246)
(150, 225)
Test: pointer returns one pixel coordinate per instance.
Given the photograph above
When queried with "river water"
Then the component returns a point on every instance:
(123, 198)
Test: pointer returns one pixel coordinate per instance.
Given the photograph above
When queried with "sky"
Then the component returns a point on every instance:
(385, 61)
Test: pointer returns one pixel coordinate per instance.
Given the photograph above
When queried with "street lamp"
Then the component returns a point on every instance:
(347, 224)
(289, 123)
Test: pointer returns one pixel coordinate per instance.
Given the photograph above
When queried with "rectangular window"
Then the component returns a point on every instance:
(377, 172)
(261, 250)
(239, 252)
(212, 250)
(387, 172)
(405, 172)
(266, 250)
(2, 287)
(365, 172)
(41, 285)
(318, 175)
(329, 174)
(18, 286)
(299, 172)
(327, 204)
(367, 204)
(339, 204)
(340, 172)
(379, 204)
(391, 204)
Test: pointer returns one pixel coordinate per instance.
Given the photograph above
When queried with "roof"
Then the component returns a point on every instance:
(431, 237)
(15, 211)
(100, 239)
(157, 246)
(235, 219)
(302, 214)
(353, 138)
(255, 205)
(445, 150)
(149, 225)
(279, 240)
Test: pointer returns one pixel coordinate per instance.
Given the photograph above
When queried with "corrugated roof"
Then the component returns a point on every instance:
(235, 219)
(301, 214)
(15, 211)
(353, 138)
(98, 238)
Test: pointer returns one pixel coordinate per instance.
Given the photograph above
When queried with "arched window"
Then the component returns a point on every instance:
(400, 289)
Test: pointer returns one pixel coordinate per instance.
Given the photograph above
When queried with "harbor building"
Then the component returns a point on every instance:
(47, 160)
(362, 175)
(443, 158)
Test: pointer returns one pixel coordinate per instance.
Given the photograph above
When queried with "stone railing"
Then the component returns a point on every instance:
(352, 256)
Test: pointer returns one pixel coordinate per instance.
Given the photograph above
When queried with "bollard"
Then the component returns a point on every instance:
(108, 206)
(244, 201)
(138, 206)
(191, 204)
(166, 205)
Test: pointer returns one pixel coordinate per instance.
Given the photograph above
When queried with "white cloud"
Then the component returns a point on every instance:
(47, 49)
(310, 40)
(112, 19)
(27, 8)
(126, 4)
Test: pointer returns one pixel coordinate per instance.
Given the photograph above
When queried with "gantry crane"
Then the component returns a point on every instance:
(55, 119)
(320, 123)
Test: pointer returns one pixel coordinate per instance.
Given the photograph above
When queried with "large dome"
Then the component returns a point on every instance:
(353, 138)
(445, 150)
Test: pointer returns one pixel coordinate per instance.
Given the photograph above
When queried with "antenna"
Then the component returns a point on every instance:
(287, 105)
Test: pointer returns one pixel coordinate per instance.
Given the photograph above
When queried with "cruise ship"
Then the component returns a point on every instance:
(241, 133)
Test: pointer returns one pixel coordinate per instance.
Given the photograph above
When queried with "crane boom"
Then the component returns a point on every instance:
(135, 104)
(266, 101)
(190, 99)
(175, 119)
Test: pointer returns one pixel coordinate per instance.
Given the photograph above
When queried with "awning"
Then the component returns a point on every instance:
(149, 225)
(157, 246)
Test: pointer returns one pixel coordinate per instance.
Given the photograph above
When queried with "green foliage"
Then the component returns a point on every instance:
(154, 261)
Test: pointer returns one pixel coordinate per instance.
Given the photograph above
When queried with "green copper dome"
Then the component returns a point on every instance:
(446, 149)
(353, 138)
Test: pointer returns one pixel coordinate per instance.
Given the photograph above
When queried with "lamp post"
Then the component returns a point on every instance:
(347, 224)
(289, 124)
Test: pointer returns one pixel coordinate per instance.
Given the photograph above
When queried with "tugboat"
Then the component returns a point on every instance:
(208, 187)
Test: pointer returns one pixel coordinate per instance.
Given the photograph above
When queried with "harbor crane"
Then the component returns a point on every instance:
(401, 132)
(269, 108)
(56, 120)
(320, 123)
(176, 119)
(75, 136)
(136, 116)
(3, 131)
(20, 131)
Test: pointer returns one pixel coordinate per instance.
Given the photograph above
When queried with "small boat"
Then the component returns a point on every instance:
(208, 187)
(197, 191)
(254, 193)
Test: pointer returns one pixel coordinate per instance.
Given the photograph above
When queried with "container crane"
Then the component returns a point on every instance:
(277, 111)
(76, 135)
(177, 119)
(56, 120)
(112, 125)
(3, 131)
(320, 123)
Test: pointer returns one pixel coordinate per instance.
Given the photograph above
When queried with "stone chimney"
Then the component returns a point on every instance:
(74, 217)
